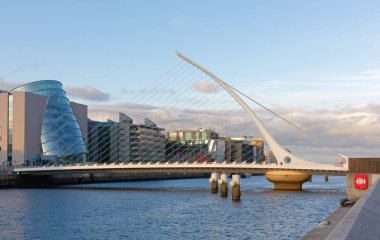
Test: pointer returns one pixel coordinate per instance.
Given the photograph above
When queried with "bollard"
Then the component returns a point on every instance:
(214, 182)
(223, 185)
(326, 178)
(235, 184)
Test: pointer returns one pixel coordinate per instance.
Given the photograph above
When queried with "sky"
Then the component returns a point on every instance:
(316, 62)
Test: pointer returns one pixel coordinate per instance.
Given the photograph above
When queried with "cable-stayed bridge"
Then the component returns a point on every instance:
(181, 167)
(288, 168)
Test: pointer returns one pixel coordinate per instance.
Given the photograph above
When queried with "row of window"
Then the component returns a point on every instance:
(53, 126)
(51, 93)
(35, 86)
(66, 151)
(54, 117)
(63, 145)
(58, 108)
(60, 133)
(58, 100)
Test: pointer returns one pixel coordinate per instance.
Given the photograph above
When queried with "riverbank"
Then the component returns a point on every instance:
(362, 221)
(357, 222)
(324, 228)
(9, 179)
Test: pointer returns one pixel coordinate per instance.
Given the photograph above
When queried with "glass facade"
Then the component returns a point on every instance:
(100, 148)
(60, 135)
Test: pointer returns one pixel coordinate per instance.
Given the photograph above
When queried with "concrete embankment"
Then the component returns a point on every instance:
(358, 222)
(9, 179)
(322, 230)
(363, 220)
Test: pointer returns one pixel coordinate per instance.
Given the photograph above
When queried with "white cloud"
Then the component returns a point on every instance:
(345, 128)
(343, 114)
(8, 85)
(87, 93)
(329, 92)
(84, 92)
(366, 75)
(206, 87)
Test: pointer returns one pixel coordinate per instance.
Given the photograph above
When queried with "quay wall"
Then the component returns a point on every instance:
(9, 179)
(368, 166)
(362, 221)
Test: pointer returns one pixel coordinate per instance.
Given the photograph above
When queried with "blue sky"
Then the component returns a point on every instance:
(322, 55)
(250, 44)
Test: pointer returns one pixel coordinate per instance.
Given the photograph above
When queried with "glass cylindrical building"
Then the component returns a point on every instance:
(60, 135)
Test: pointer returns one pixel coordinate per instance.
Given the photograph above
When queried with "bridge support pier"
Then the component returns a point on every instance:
(235, 184)
(223, 185)
(214, 182)
(287, 180)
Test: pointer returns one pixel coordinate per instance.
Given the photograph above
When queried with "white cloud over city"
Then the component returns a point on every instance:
(324, 108)
(346, 128)
(87, 93)
(8, 85)
(340, 111)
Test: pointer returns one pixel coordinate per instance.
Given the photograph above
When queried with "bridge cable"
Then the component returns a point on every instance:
(286, 120)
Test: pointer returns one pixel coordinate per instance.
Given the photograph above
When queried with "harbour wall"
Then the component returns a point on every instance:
(362, 221)
(9, 179)
(370, 167)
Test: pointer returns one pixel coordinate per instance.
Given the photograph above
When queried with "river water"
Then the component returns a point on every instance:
(169, 209)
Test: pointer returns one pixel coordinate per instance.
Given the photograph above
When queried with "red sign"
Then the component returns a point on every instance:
(361, 181)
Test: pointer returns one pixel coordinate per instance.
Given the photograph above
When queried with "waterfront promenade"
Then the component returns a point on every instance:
(362, 221)
(351, 223)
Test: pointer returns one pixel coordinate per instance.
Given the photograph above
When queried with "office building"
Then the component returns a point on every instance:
(109, 141)
(102, 137)
(125, 141)
(259, 149)
(244, 149)
(192, 136)
(147, 142)
(39, 123)
(194, 145)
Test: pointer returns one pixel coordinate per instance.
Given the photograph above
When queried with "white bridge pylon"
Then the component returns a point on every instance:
(282, 155)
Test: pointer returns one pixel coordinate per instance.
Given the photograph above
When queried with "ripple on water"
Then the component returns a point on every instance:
(171, 209)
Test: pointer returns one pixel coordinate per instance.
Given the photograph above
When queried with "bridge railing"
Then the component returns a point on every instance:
(88, 164)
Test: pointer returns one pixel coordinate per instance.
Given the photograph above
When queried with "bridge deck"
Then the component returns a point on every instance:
(315, 169)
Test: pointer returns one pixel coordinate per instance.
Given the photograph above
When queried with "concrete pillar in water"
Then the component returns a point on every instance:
(214, 182)
(326, 178)
(287, 180)
(223, 185)
(235, 184)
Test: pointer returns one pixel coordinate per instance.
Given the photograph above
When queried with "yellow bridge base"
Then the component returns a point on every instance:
(287, 180)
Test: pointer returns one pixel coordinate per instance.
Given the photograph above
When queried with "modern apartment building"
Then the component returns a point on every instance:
(195, 145)
(102, 141)
(192, 136)
(244, 149)
(147, 142)
(125, 141)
